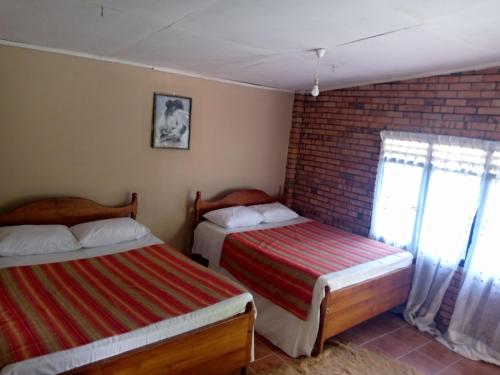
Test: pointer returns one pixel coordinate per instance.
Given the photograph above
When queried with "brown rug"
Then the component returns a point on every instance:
(341, 359)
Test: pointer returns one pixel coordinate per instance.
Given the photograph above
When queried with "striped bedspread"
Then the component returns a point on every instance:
(51, 307)
(283, 264)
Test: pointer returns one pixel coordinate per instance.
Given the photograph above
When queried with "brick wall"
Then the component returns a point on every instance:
(335, 140)
(449, 300)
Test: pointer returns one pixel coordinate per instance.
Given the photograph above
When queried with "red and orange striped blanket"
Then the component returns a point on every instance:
(52, 307)
(282, 264)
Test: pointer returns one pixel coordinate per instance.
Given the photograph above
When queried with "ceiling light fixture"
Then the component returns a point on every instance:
(320, 52)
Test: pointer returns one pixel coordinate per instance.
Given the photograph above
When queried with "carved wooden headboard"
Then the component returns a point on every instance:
(246, 197)
(66, 211)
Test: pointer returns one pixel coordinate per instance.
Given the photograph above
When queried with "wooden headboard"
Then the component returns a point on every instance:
(66, 211)
(246, 197)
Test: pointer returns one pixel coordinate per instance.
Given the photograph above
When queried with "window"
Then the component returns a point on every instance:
(429, 189)
(400, 178)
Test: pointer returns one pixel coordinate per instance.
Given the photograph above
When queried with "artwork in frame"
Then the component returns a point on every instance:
(171, 121)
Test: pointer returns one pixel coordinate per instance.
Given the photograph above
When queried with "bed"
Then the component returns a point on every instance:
(208, 338)
(339, 300)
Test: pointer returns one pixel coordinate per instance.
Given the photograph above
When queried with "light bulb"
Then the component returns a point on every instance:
(320, 52)
(315, 89)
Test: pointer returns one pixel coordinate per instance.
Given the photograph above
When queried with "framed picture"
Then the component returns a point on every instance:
(171, 121)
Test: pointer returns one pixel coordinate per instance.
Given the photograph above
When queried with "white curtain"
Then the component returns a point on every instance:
(444, 234)
(426, 196)
(474, 329)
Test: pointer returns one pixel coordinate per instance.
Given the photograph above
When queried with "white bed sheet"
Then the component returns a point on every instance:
(292, 335)
(68, 359)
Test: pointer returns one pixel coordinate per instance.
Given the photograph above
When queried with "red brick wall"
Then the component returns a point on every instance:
(335, 138)
(449, 300)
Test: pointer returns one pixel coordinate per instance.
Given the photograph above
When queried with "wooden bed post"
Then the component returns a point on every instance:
(320, 339)
(249, 309)
(197, 208)
(133, 203)
(284, 196)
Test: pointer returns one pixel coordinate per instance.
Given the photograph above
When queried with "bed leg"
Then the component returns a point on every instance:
(249, 309)
(320, 339)
(318, 349)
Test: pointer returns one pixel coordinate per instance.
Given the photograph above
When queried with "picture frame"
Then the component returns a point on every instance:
(171, 121)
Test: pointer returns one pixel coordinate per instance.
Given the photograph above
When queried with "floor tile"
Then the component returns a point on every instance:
(388, 322)
(440, 353)
(360, 334)
(421, 362)
(468, 367)
(448, 371)
(369, 346)
(274, 348)
(262, 348)
(390, 345)
(390, 335)
(267, 363)
(411, 336)
(345, 338)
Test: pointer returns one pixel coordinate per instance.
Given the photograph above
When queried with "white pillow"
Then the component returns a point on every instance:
(233, 217)
(273, 212)
(36, 239)
(108, 231)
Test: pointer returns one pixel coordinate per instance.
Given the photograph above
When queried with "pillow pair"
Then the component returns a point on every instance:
(242, 216)
(45, 239)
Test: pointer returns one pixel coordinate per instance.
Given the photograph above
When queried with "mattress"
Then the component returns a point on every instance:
(294, 336)
(110, 346)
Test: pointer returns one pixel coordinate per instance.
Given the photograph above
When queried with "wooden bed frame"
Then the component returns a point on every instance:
(340, 309)
(218, 348)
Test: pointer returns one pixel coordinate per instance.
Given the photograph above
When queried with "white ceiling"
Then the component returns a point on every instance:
(268, 42)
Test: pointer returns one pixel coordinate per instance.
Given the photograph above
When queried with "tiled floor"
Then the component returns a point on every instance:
(390, 335)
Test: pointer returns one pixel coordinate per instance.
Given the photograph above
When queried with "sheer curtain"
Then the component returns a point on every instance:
(449, 205)
(426, 196)
(474, 329)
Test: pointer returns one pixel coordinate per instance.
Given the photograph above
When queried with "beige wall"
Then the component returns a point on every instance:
(81, 127)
